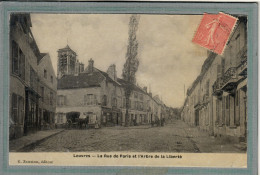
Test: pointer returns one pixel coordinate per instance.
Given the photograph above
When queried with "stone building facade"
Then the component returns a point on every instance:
(47, 91)
(25, 79)
(101, 94)
(216, 101)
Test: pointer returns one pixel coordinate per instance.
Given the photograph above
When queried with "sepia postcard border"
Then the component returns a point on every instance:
(249, 9)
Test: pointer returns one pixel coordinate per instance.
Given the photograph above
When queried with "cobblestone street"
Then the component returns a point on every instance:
(174, 137)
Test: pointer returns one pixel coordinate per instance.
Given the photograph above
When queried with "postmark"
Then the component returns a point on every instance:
(214, 31)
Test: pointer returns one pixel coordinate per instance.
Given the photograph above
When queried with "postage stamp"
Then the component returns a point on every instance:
(214, 31)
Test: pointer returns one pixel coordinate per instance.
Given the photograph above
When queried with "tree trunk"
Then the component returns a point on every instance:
(127, 114)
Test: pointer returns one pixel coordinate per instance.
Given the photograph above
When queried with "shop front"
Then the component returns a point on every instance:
(31, 121)
(111, 117)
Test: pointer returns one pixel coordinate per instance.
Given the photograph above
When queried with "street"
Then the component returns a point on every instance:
(176, 136)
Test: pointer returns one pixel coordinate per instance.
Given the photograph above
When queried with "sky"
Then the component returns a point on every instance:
(169, 61)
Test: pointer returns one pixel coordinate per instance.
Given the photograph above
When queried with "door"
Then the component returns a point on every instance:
(117, 119)
(197, 117)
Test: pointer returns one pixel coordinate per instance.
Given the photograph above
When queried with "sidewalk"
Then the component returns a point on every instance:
(31, 140)
(208, 144)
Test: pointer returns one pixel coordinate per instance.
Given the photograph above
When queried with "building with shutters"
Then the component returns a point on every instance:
(27, 78)
(48, 92)
(217, 100)
(100, 95)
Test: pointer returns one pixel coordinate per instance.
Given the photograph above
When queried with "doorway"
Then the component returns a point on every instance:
(197, 117)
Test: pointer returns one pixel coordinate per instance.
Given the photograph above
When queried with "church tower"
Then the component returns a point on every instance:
(66, 62)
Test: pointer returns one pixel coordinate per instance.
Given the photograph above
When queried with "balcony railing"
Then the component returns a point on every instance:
(230, 79)
(229, 75)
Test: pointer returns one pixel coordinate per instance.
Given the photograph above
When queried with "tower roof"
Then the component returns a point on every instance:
(67, 48)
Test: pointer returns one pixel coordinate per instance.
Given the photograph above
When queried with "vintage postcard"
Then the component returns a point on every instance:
(133, 89)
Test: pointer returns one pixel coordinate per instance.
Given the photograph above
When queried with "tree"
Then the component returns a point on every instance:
(132, 62)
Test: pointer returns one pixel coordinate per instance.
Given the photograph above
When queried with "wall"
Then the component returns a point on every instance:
(75, 102)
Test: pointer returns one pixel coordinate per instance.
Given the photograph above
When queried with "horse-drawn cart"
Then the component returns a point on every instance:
(76, 120)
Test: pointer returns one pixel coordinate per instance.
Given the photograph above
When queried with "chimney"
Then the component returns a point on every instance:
(90, 65)
(145, 89)
(111, 71)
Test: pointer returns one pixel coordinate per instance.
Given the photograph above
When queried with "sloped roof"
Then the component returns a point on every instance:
(67, 48)
(133, 86)
(104, 74)
(108, 77)
(82, 80)
(41, 56)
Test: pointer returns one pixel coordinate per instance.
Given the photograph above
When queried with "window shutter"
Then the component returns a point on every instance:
(237, 110)
(223, 110)
(22, 65)
(65, 100)
(95, 99)
(14, 108)
(227, 111)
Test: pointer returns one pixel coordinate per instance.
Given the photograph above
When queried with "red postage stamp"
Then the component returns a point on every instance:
(214, 31)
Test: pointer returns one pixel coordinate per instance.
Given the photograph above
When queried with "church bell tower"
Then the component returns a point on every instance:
(66, 62)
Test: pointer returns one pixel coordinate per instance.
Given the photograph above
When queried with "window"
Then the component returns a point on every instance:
(60, 118)
(33, 78)
(114, 102)
(130, 105)
(18, 61)
(141, 106)
(104, 100)
(14, 108)
(90, 99)
(207, 88)
(119, 102)
(141, 96)
(42, 93)
(61, 100)
(51, 79)
(237, 116)
(45, 73)
(148, 105)
(227, 111)
(227, 102)
(222, 66)
(124, 102)
(136, 105)
(51, 98)
(135, 95)
(237, 98)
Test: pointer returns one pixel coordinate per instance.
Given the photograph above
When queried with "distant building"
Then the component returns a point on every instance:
(26, 78)
(217, 100)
